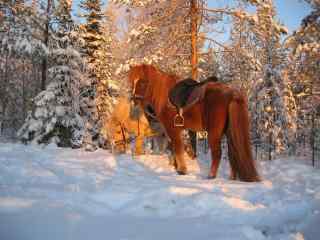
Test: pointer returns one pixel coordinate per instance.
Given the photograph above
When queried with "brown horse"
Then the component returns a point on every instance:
(222, 110)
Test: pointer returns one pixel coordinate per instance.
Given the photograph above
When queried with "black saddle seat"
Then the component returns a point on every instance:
(181, 92)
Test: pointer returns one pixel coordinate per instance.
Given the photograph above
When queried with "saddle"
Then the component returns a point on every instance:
(185, 94)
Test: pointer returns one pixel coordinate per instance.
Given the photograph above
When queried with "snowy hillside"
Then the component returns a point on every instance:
(51, 193)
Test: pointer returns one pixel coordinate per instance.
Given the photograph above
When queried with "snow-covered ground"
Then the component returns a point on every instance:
(52, 193)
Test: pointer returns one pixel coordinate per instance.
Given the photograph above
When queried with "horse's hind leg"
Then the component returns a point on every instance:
(233, 167)
(215, 146)
(215, 133)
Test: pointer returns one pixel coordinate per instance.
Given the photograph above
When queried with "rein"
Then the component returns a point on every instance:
(138, 126)
(124, 139)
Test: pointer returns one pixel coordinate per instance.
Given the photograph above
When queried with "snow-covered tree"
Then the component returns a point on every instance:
(55, 117)
(21, 51)
(160, 32)
(108, 58)
(304, 70)
(304, 45)
(92, 31)
(259, 68)
(255, 61)
(240, 61)
(97, 51)
(275, 100)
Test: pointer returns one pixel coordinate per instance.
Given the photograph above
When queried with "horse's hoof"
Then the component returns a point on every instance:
(181, 172)
(211, 177)
(172, 163)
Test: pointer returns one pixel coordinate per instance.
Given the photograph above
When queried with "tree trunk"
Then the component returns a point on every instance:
(194, 59)
(4, 94)
(24, 98)
(194, 36)
(44, 65)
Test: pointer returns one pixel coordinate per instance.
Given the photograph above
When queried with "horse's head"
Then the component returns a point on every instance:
(149, 86)
(138, 83)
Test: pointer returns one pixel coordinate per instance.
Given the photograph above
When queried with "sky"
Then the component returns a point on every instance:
(290, 12)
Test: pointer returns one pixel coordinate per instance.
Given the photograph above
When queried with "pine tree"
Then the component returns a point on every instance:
(304, 59)
(96, 49)
(92, 31)
(240, 63)
(304, 70)
(21, 51)
(276, 105)
(256, 62)
(108, 59)
(55, 117)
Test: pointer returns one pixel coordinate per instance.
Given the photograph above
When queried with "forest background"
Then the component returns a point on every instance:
(63, 64)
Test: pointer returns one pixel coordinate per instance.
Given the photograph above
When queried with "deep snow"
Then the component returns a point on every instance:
(53, 193)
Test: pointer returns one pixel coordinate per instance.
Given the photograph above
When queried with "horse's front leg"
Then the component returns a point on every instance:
(139, 145)
(178, 151)
(176, 143)
(178, 148)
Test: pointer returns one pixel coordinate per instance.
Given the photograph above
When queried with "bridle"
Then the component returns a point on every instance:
(134, 95)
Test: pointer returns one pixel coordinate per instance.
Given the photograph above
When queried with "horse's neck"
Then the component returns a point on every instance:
(159, 97)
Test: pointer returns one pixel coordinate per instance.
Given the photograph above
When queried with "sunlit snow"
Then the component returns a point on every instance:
(56, 193)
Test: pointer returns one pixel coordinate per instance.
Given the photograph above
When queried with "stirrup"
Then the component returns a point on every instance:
(179, 119)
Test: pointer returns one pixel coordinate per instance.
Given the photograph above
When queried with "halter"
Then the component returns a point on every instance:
(134, 95)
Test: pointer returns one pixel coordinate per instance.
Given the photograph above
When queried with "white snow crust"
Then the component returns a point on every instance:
(54, 193)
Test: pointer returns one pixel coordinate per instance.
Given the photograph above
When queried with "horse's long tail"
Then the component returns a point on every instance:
(241, 160)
